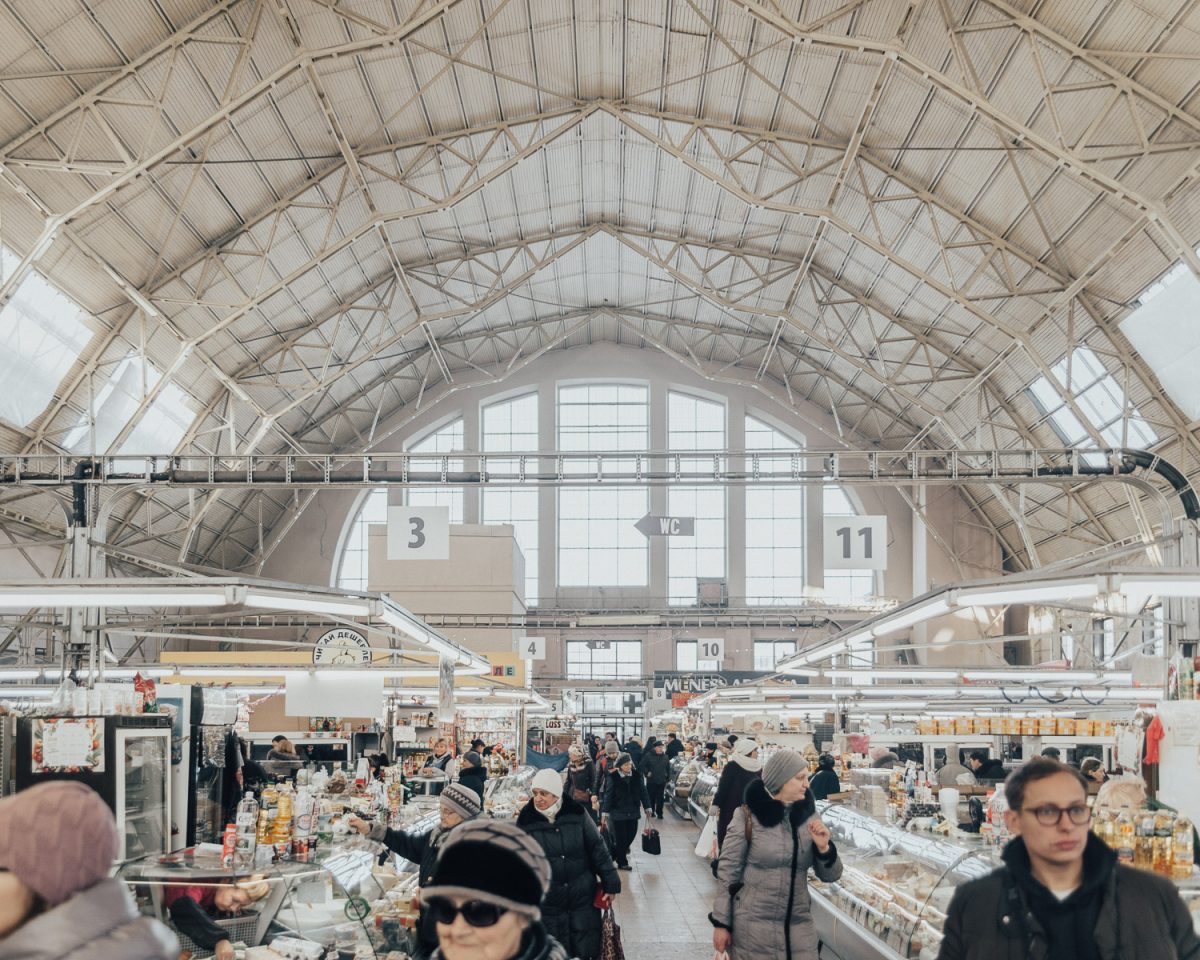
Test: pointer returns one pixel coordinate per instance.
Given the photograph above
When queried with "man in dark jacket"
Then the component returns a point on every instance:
(578, 859)
(825, 781)
(633, 747)
(473, 773)
(985, 768)
(656, 770)
(674, 746)
(456, 804)
(1061, 892)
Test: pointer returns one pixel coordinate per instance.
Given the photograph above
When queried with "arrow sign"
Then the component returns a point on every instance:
(667, 526)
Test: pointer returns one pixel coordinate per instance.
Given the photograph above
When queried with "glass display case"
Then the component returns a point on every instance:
(701, 795)
(327, 900)
(680, 780)
(143, 799)
(895, 888)
(502, 796)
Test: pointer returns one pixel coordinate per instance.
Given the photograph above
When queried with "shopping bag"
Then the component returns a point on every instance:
(610, 938)
(651, 842)
(706, 846)
(600, 899)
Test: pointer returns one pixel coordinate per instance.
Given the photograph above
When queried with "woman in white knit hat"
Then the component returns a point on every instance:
(761, 909)
(578, 859)
(743, 767)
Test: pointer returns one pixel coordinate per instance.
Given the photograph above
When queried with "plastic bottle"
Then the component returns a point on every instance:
(1143, 844)
(247, 828)
(1181, 849)
(228, 845)
(1125, 838)
(1164, 829)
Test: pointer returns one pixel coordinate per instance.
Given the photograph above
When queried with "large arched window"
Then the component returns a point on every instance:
(774, 528)
(445, 439)
(695, 424)
(598, 542)
(354, 572)
(512, 426)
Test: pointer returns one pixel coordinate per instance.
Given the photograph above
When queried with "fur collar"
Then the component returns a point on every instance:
(769, 812)
(532, 815)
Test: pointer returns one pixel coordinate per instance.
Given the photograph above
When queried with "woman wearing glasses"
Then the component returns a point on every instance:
(1061, 892)
(486, 893)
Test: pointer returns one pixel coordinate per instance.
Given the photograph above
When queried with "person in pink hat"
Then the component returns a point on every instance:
(57, 846)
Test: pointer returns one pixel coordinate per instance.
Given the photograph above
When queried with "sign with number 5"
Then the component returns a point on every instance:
(418, 533)
(855, 543)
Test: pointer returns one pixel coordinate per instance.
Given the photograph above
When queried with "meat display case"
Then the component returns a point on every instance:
(895, 888)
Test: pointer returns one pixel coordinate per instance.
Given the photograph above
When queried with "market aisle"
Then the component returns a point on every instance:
(664, 903)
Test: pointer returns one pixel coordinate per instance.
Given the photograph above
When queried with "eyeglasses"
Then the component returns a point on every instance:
(477, 913)
(1052, 816)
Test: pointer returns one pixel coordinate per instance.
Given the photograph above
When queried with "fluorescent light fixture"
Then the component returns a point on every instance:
(1031, 676)
(38, 692)
(1118, 677)
(860, 637)
(918, 614)
(888, 705)
(998, 596)
(920, 690)
(750, 708)
(799, 671)
(1134, 694)
(911, 673)
(84, 596)
(21, 673)
(822, 652)
(1160, 586)
(308, 603)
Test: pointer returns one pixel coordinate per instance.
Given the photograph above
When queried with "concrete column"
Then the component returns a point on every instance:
(548, 496)
(472, 440)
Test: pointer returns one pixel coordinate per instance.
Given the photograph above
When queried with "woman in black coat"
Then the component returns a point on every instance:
(578, 856)
(621, 807)
(743, 768)
(825, 781)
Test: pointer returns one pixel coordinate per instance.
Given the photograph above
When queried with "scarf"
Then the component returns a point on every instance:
(552, 812)
(749, 764)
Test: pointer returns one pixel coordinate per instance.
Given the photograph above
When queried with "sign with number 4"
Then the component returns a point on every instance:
(532, 648)
(418, 533)
(856, 543)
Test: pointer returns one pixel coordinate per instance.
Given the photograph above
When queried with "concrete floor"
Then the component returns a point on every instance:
(664, 902)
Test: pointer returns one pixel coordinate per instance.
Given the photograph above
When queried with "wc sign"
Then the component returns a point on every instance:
(651, 526)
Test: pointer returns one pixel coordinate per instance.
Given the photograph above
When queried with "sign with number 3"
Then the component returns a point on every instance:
(418, 533)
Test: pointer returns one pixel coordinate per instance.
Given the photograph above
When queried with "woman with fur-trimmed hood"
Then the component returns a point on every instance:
(762, 909)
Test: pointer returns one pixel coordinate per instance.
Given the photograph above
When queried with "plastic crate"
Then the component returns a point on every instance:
(241, 929)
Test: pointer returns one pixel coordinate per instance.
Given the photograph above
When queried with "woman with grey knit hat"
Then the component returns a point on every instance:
(486, 893)
(775, 837)
(457, 804)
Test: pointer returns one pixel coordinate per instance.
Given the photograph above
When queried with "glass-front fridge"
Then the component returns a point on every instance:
(126, 759)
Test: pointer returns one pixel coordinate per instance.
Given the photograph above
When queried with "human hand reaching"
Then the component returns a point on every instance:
(820, 834)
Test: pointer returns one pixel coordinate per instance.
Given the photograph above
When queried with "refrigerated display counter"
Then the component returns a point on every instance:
(701, 796)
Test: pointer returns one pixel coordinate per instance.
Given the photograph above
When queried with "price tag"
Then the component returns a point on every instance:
(711, 649)
(532, 648)
(856, 543)
(418, 533)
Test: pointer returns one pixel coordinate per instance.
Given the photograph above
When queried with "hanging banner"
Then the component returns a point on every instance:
(671, 682)
(445, 691)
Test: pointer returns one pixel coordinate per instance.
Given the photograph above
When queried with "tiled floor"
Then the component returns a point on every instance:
(664, 904)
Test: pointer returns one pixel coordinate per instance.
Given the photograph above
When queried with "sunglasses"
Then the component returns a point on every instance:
(477, 913)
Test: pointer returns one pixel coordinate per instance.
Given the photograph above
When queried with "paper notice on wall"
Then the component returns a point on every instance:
(64, 745)
(1185, 728)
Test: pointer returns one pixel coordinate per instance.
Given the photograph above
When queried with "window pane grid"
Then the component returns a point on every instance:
(354, 573)
(443, 440)
(512, 426)
(774, 529)
(621, 658)
(844, 586)
(695, 424)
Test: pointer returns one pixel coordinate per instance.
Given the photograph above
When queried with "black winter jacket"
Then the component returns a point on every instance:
(624, 797)
(674, 749)
(655, 767)
(577, 855)
(731, 792)
(1140, 914)
(475, 778)
(582, 779)
(823, 783)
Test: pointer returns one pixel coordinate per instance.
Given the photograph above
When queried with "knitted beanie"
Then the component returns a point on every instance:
(473, 758)
(461, 800)
(783, 765)
(58, 838)
(611, 748)
(548, 780)
(494, 861)
(745, 747)
(623, 759)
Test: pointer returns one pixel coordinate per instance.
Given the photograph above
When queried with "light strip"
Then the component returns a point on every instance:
(1031, 676)
(335, 606)
(1028, 593)
(1162, 587)
(911, 673)
(918, 614)
(25, 598)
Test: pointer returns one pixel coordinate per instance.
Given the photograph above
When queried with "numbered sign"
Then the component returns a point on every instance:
(711, 649)
(856, 543)
(532, 648)
(418, 533)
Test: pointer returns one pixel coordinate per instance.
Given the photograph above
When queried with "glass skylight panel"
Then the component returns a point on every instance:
(445, 439)
(1098, 396)
(512, 426)
(42, 334)
(774, 529)
(1165, 330)
(598, 542)
(695, 424)
(355, 570)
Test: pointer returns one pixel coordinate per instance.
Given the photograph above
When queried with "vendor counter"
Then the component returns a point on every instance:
(690, 789)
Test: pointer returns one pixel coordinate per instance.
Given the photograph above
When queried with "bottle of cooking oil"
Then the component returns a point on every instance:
(1181, 849)
(1105, 830)
(1125, 837)
(1164, 828)
(1143, 843)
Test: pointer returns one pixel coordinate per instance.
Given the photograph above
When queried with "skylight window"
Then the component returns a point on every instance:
(42, 334)
(1165, 330)
(161, 427)
(1099, 398)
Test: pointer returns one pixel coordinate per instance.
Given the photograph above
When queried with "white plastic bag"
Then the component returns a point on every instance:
(706, 846)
